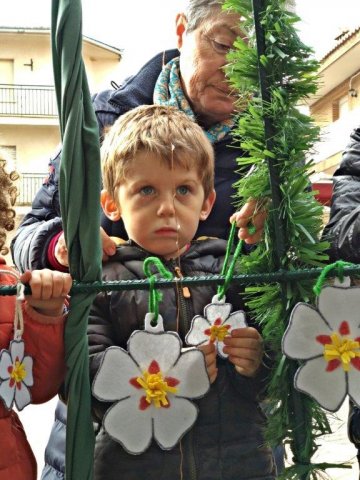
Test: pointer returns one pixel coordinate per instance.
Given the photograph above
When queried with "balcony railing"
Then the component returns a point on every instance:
(28, 186)
(27, 101)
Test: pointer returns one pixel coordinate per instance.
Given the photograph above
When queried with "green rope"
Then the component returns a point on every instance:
(227, 270)
(228, 248)
(244, 279)
(155, 296)
(338, 266)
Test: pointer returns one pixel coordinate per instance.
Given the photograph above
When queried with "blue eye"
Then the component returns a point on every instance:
(182, 190)
(147, 190)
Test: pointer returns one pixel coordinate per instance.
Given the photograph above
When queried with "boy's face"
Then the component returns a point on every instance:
(160, 207)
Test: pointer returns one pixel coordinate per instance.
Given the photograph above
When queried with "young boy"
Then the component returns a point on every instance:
(158, 171)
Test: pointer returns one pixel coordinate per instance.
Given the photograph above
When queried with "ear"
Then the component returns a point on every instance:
(109, 206)
(207, 205)
(181, 23)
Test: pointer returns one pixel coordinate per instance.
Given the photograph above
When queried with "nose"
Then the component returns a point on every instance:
(166, 206)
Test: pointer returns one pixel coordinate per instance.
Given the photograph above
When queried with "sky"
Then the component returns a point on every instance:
(142, 28)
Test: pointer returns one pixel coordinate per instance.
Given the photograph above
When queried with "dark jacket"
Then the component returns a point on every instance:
(29, 246)
(343, 229)
(226, 442)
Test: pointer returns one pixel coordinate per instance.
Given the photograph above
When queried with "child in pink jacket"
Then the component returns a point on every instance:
(41, 317)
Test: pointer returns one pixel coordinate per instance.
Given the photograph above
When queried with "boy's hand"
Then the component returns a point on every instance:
(209, 351)
(244, 347)
(250, 214)
(49, 289)
(61, 251)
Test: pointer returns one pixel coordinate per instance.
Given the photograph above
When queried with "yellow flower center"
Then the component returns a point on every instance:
(18, 372)
(343, 349)
(155, 388)
(218, 332)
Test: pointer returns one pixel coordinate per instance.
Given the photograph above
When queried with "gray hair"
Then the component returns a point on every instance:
(199, 10)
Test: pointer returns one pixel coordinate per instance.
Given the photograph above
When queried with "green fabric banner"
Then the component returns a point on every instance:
(80, 185)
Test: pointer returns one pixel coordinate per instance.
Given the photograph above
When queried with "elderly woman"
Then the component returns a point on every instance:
(195, 82)
(191, 78)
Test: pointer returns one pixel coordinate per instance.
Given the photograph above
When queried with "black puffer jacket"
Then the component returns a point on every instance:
(226, 442)
(343, 229)
(29, 246)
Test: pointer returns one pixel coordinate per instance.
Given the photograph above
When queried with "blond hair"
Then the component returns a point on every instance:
(160, 130)
(8, 193)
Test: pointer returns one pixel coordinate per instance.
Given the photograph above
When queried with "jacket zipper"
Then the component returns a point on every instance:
(185, 290)
(184, 295)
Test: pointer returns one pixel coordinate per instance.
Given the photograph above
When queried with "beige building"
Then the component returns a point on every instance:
(336, 106)
(29, 131)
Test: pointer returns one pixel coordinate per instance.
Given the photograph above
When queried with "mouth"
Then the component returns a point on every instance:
(166, 231)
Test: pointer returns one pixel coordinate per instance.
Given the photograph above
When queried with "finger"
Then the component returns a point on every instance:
(108, 244)
(246, 212)
(244, 341)
(212, 372)
(46, 285)
(56, 282)
(207, 348)
(249, 216)
(210, 359)
(25, 277)
(35, 284)
(246, 368)
(209, 352)
(246, 373)
(256, 237)
(61, 255)
(67, 284)
(245, 353)
(61, 240)
(247, 342)
(251, 354)
(248, 209)
(245, 332)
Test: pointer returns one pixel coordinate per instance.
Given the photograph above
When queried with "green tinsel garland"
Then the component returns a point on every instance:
(291, 75)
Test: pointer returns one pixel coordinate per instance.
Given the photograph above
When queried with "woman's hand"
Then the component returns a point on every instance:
(49, 289)
(245, 350)
(250, 215)
(61, 251)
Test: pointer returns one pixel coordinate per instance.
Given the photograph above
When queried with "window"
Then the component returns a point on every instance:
(6, 71)
(6, 81)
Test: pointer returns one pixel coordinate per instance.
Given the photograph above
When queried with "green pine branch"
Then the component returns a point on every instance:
(291, 74)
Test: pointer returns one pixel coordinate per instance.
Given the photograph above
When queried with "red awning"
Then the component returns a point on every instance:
(324, 190)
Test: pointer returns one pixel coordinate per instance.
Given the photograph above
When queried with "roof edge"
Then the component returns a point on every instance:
(46, 30)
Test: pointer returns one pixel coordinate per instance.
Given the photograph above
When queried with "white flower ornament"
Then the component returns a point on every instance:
(15, 367)
(327, 338)
(15, 375)
(216, 324)
(150, 385)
